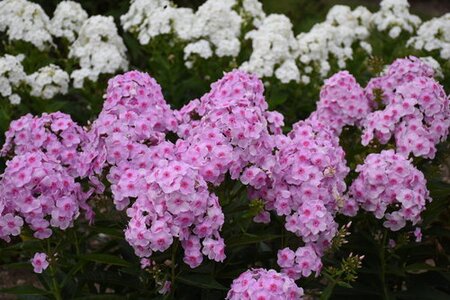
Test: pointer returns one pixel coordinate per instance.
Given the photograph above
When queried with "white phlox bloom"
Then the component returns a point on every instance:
(434, 35)
(99, 49)
(11, 76)
(67, 20)
(202, 48)
(150, 18)
(25, 21)
(273, 45)
(334, 37)
(253, 9)
(394, 16)
(48, 81)
(217, 22)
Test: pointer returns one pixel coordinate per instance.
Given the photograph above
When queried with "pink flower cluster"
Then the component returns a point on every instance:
(169, 196)
(40, 191)
(401, 71)
(134, 116)
(54, 134)
(262, 284)
(391, 187)
(300, 263)
(306, 183)
(342, 102)
(164, 186)
(40, 184)
(418, 115)
(229, 128)
(172, 201)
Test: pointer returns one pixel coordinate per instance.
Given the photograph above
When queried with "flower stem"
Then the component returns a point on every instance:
(174, 257)
(383, 267)
(55, 290)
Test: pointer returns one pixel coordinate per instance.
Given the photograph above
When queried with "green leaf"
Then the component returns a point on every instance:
(418, 268)
(201, 281)
(24, 290)
(105, 259)
(250, 239)
(326, 294)
(17, 266)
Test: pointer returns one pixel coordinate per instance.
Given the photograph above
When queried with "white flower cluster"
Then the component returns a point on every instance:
(214, 28)
(11, 76)
(201, 48)
(216, 21)
(394, 16)
(334, 37)
(67, 20)
(273, 45)
(99, 49)
(26, 21)
(48, 82)
(95, 41)
(150, 18)
(434, 35)
(253, 9)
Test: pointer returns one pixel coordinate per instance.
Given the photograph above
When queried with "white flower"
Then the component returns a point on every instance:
(11, 76)
(150, 18)
(26, 21)
(334, 37)
(99, 49)
(48, 81)
(254, 9)
(201, 48)
(14, 99)
(67, 20)
(395, 16)
(217, 22)
(434, 35)
(273, 44)
(287, 72)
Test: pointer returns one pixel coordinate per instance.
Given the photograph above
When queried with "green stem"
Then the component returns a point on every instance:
(383, 267)
(55, 290)
(174, 257)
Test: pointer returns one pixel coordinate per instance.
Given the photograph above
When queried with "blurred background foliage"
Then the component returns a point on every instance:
(96, 263)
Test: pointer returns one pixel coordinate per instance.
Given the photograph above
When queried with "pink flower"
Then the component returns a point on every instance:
(389, 182)
(418, 234)
(401, 71)
(264, 284)
(145, 263)
(342, 102)
(286, 258)
(41, 191)
(417, 113)
(39, 262)
(166, 287)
